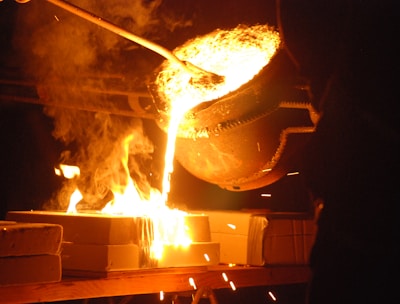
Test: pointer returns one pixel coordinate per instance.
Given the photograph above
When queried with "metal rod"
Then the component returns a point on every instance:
(192, 69)
(130, 103)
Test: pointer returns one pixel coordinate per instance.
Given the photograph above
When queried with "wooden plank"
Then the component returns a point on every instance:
(153, 281)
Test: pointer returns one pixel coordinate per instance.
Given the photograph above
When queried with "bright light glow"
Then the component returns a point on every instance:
(206, 257)
(57, 172)
(266, 195)
(225, 277)
(192, 283)
(272, 296)
(238, 55)
(293, 173)
(165, 227)
(232, 285)
(75, 198)
(232, 226)
(68, 171)
(161, 295)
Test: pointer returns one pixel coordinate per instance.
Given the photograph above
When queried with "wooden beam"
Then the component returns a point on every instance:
(148, 281)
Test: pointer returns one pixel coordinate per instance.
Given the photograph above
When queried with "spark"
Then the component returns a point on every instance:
(192, 283)
(207, 257)
(272, 296)
(232, 285)
(293, 173)
(232, 226)
(225, 277)
(266, 194)
(161, 295)
(55, 17)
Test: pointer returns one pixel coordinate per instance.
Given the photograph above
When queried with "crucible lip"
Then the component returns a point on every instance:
(258, 97)
(278, 61)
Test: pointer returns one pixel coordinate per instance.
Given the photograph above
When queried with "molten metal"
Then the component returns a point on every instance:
(238, 54)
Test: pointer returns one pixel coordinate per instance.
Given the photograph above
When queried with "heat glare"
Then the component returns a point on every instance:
(237, 54)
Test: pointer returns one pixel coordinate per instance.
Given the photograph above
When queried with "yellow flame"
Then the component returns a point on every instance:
(168, 224)
(169, 229)
(76, 196)
(67, 171)
(70, 172)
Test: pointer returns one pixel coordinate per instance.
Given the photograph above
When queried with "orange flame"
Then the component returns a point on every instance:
(70, 172)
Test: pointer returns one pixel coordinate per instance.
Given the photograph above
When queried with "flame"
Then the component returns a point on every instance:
(76, 196)
(67, 171)
(70, 172)
(127, 199)
(168, 225)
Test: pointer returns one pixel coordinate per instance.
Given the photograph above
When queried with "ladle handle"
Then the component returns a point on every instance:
(121, 32)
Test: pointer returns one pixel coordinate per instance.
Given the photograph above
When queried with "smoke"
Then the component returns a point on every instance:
(63, 53)
(97, 145)
(57, 41)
